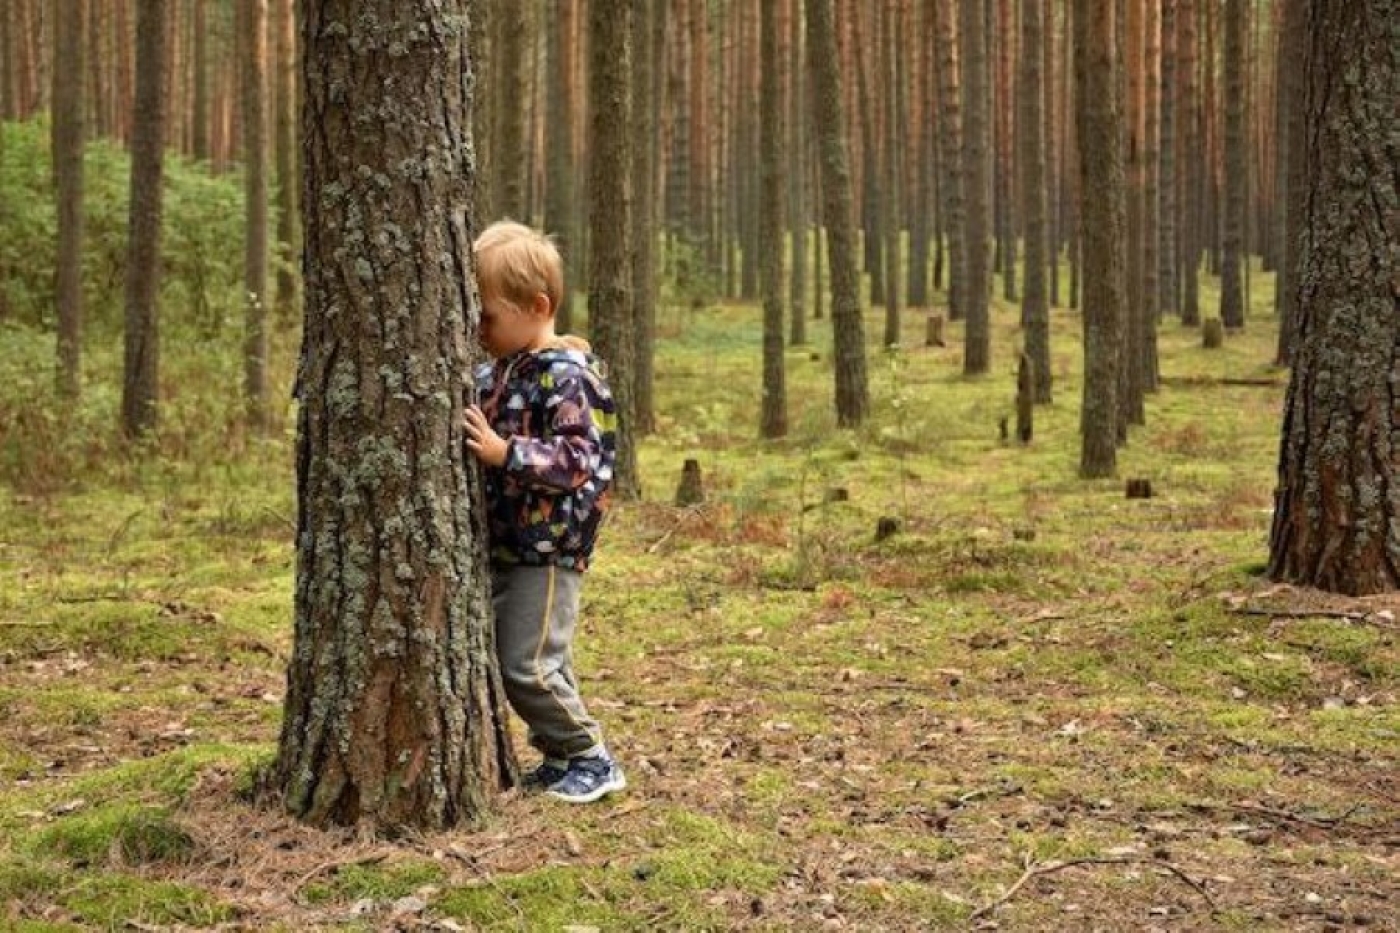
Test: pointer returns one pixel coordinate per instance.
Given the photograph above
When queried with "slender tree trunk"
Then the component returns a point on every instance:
(1292, 147)
(797, 175)
(1049, 129)
(643, 217)
(973, 40)
(1167, 175)
(951, 139)
(255, 193)
(852, 389)
(1151, 213)
(68, 136)
(512, 76)
(9, 79)
(200, 117)
(394, 713)
(921, 219)
(773, 421)
(1035, 308)
(1099, 116)
(1131, 408)
(893, 170)
(1004, 39)
(560, 201)
(288, 178)
(1337, 509)
(1231, 283)
(611, 209)
(141, 361)
(1192, 225)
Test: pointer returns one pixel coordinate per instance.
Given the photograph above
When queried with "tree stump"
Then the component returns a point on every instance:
(838, 494)
(1139, 489)
(1025, 400)
(691, 490)
(1004, 427)
(1212, 333)
(934, 337)
(886, 527)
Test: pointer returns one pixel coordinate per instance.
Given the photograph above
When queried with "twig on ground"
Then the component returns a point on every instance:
(372, 859)
(686, 514)
(1035, 870)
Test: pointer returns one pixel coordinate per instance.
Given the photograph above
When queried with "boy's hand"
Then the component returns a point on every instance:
(490, 448)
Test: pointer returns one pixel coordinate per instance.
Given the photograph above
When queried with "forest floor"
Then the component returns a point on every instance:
(1039, 705)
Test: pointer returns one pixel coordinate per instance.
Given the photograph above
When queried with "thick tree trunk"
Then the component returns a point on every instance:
(1103, 220)
(972, 41)
(254, 73)
(773, 420)
(1035, 308)
(141, 359)
(951, 138)
(643, 327)
(1337, 508)
(611, 217)
(394, 713)
(852, 389)
(67, 135)
(1231, 281)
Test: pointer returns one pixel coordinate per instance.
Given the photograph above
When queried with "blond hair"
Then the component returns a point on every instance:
(516, 263)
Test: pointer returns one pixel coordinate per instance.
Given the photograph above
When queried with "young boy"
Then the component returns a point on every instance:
(544, 431)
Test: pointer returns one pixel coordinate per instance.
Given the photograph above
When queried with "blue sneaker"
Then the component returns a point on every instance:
(588, 779)
(549, 773)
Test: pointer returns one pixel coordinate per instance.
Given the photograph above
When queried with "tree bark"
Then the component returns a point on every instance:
(560, 200)
(852, 389)
(1167, 162)
(1232, 245)
(972, 41)
(1103, 221)
(68, 135)
(254, 73)
(288, 178)
(893, 169)
(1035, 307)
(394, 713)
(643, 218)
(1151, 212)
(611, 218)
(773, 419)
(797, 176)
(951, 140)
(142, 343)
(1292, 146)
(1337, 508)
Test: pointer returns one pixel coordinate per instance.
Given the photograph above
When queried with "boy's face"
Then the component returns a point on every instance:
(507, 328)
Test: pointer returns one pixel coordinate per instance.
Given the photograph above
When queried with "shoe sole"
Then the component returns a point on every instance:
(602, 790)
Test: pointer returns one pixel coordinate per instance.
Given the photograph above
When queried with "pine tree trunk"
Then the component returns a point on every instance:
(1003, 37)
(1151, 212)
(852, 390)
(1035, 308)
(288, 178)
(560, 201)
(643, 217)
(1231, 283)
(972, 40)
(141, 359)
(1104, 217)
(1051, 122)
(1292, 147)
(394, 714)
(1167, 174)
(1131, 408)
(893, 171)
(67, 135)
(1193, 168)
(1337, 507)
(798, 220)
(951, 140)
(200, 118)
(9, 79)
(254, 73)
(511, 60)
(773, 421)
(610, 212)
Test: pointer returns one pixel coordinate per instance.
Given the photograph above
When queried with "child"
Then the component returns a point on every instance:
(544, 431)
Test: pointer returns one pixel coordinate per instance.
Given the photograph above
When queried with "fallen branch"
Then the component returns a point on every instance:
(685, 514)
(1034, 870)
(1298, 613)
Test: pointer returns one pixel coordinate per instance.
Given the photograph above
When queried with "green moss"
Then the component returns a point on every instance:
(376, 882)
(126, 834)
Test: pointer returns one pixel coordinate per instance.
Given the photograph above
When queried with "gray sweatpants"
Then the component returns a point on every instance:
(536, 612)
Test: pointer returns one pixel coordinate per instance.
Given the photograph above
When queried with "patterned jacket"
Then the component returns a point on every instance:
(558, 417)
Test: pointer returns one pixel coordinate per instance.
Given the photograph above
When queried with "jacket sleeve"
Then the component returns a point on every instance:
(571, 451)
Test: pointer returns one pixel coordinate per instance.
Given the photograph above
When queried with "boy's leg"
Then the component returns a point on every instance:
(536, 612)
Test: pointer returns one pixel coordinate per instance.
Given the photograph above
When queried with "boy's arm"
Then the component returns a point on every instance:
(574, 451)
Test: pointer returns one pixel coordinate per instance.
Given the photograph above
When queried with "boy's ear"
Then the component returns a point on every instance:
(542, 305)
